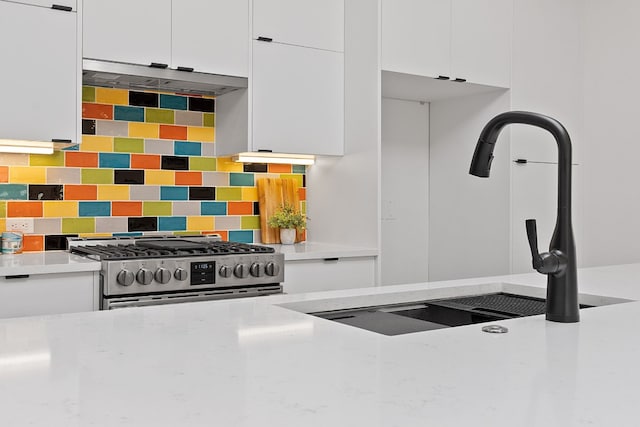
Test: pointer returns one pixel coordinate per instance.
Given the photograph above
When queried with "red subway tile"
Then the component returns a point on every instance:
(126, 208)
(145, 161)
(173, 132)
(4, 174)
(188, 178)
(80, 192)
(224, 234)
(24, 209)
(97, 111)
(33, 243)
(302, 193)
(240, 208)
(278, 168)
(81, 159)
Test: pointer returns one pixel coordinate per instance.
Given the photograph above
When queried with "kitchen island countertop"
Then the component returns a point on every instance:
(253, 362)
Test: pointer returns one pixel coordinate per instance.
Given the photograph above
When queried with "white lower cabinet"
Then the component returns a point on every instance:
(41, 294)
(328, 274)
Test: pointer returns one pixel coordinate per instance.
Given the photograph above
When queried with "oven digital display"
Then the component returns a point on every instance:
(203, 273)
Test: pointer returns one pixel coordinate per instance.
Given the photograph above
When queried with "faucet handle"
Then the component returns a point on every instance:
(546, 262)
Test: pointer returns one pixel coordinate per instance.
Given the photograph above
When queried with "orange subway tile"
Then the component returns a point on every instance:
(24, 209)
(302, 193)
(81, 159)
(80, 192)
(188, 178)
(97, 111)
(224, 234)
(173, 132)
(145, 161)
(4, 174)
(278, 168)
(33, 243)
(126, 208)
(240, 208)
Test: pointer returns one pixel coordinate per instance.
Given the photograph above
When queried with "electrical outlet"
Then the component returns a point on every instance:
(20, 224)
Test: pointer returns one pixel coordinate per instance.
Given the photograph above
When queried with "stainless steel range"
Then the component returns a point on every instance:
(168, 269)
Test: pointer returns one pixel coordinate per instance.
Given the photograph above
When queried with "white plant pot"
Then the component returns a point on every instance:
(287, 236)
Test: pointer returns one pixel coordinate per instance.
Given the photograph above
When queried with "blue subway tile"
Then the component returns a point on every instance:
(129, 114)
(213, 208)
(134, 234)
(241, 179)
(299, 169)
(114, 160)
(172, 223)
(174, 193)
(72, 148)
(173, 102)
(94, 208)
(241, 236)
(184, 148)
(13, 192)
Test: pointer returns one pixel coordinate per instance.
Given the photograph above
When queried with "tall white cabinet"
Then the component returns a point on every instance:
(40, 74)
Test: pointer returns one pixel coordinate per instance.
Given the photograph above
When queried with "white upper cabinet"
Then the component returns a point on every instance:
(206, 36)
(415, 36)
(297, 99)
(481, 41)
(468, 40)
(55, 4)
(309, 23)
(211, 36)
(40, 74)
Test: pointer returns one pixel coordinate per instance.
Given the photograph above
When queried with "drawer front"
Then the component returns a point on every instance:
(329, 274)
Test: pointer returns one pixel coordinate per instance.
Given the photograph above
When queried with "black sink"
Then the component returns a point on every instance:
(437, 314)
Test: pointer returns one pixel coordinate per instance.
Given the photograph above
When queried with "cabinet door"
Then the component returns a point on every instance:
(211, 36)
(39, 75)
(136, 32)
(48, 294)
(481, 41)
(416, 36)
(328, 275)
(298, 99)
(310, 23)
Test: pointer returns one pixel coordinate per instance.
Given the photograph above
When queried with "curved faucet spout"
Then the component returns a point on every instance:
(560, 262)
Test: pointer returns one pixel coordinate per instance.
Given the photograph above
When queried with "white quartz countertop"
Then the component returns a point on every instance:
(45, 263)
(313, 250)
(253, 362)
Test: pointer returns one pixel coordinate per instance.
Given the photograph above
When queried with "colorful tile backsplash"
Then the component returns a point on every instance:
(146, 164)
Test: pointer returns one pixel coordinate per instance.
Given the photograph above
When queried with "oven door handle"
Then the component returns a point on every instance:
(159, 301)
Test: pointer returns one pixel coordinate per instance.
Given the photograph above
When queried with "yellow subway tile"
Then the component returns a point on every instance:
(143, 130)
(27, 175)
(55, 159)
(96, 143)
(112, 96)
(95, 235)
(113, 192)
(250, 193)
(3, 224)
(200, 134)
(225, 164)
(297, 178)
(59, 209)
(200, 223)
(159, 177)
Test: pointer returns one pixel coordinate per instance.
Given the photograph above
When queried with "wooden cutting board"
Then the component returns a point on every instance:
(272, 194)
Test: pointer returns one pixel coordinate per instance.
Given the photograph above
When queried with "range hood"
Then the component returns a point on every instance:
(130, 76)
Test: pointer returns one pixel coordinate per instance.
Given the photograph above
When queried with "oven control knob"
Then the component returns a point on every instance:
(226, 271)
(125, 278)
(257, 269)
(241, 270)
(162, 275)
(144, 276)
(180, 274)
(272, 269)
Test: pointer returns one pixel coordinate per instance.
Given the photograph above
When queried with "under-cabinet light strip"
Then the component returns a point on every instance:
(258, 157)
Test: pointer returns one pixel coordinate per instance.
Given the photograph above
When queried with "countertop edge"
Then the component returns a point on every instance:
(319, 251)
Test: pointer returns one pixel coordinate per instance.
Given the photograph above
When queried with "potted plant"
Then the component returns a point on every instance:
(288, 220)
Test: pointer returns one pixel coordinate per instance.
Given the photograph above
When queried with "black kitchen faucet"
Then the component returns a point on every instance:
(559, 264)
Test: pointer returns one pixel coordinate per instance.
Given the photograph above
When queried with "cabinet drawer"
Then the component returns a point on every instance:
(328, 274)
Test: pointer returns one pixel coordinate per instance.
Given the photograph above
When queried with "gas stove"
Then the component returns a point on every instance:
(152, 270)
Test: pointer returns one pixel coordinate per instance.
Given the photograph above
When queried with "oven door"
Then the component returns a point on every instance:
(174, 298)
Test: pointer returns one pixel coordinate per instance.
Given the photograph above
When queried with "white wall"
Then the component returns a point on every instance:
(611, 95)
(405, 192)
(343, 192)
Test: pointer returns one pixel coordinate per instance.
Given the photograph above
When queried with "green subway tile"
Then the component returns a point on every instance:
(303, 207)
(299, 169)
(156, 115)
(202, 164)
(209, 120)
(128, 145)
(250, 222)
(157, 208)
(97, 176)
(241, 180)
(228, 193)
(296, 178)
(78, 225)
(3, 209)
(55, 159)
(88, 94)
